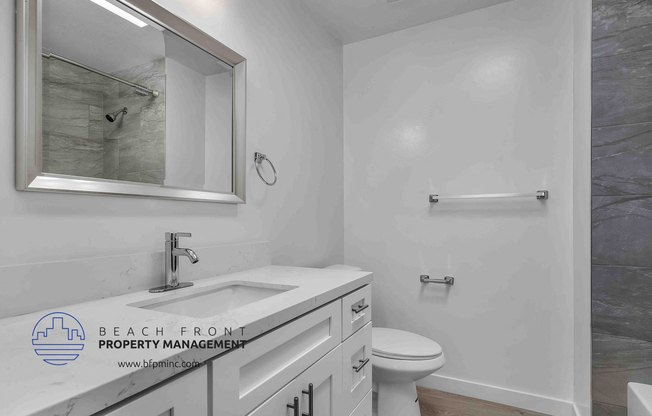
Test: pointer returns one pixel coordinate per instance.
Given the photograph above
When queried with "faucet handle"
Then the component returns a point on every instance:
(175, 236)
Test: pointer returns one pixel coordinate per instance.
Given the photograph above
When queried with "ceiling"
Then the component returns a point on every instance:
(355, 20)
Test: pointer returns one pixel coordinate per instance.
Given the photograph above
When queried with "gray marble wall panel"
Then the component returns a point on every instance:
(622, 301)
(622, 201)
(621, 26)
(622, 230)
(622, 87)
(622, 160)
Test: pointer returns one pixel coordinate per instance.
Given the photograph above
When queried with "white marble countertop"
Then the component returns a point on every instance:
(94, 381)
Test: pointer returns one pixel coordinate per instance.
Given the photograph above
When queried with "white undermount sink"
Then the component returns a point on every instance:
(212, 300)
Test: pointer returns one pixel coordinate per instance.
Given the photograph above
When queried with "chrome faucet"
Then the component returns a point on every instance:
(172, 253)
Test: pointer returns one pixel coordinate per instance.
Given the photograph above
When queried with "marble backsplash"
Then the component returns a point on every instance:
(77, 138)
(38, 286)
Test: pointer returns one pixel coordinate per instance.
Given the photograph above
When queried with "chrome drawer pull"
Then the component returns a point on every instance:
(310, 393)
(295, 406)
(360, 308)
(361, 366)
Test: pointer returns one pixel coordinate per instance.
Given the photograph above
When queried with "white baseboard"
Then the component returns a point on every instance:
(527, 401)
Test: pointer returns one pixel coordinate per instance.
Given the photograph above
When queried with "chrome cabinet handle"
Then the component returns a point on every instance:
(295, 406)
(358, 309)
(309, 392)
(361, 366)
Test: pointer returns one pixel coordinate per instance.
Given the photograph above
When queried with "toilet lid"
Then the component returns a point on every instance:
(402, 345)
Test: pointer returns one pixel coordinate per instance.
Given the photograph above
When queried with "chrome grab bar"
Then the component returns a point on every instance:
(447, 280)
(540, 195)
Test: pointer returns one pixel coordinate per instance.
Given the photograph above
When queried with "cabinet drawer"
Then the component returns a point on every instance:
(364, 408)
(185, 396)
(356, 370)
(326, 379)
(246, 377)
(360, 300)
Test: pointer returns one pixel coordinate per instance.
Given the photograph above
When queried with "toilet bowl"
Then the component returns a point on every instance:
(399, 359)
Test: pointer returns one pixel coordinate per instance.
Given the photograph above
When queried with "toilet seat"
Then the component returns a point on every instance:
(401, 345)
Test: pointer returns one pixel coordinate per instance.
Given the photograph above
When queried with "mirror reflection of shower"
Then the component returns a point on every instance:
(114, 116)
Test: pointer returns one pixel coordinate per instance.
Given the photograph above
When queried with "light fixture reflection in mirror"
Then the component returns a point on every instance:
(119, 12)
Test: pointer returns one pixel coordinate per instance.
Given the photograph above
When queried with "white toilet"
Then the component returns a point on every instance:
(399, 359)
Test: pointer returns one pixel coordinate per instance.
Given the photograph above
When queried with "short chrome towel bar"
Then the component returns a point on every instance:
(540, 195)
(448, 280)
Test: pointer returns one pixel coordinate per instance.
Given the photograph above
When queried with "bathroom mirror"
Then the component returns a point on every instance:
(124, 97)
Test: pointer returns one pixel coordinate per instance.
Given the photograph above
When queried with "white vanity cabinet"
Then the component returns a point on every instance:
(329, 348)
(183, 396)
(323, 359)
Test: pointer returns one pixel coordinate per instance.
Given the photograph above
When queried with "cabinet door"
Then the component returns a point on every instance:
(356, 368)
(326, 378)
(245, 378)
(185, 396)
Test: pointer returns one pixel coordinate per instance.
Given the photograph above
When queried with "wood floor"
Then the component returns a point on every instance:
(438, 403)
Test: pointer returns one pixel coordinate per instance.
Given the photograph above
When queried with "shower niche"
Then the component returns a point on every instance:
(126, 98)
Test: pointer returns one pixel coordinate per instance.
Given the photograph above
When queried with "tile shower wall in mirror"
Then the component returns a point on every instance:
(132, 101)
(622, 201)
(78, 138)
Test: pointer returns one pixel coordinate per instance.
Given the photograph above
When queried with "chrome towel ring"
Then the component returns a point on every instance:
(259, 157)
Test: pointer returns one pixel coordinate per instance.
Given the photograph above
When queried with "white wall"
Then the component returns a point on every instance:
(478, 103)
(294, 114)
(185, 126)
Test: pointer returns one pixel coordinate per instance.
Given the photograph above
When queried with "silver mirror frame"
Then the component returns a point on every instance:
(29, 173)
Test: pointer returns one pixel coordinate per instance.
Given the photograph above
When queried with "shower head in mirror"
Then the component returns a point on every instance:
(113, 116)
